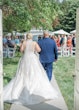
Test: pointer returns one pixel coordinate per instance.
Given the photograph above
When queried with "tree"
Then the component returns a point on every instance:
(68, 18)
(25, 14)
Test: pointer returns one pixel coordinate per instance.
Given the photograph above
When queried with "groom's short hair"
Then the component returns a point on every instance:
(46, 33)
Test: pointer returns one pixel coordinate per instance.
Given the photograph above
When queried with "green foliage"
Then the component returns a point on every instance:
(68, 19)
(25, 14)
(17, 17)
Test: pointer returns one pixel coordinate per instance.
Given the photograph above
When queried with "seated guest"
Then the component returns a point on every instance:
(10, 42)
(17, 41)
(4, 42)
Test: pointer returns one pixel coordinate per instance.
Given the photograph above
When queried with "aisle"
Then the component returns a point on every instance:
(57, 104)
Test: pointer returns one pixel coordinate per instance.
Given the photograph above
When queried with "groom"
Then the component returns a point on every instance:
(48, 53)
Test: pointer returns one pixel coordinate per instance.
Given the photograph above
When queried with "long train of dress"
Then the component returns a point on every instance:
(30, 84)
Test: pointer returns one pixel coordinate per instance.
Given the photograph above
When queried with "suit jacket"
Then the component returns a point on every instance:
(48, 50)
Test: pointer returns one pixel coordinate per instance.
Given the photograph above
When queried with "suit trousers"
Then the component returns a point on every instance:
(49, 68)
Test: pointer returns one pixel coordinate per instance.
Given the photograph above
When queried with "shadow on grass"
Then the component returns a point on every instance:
(7, 106)
(7, 78)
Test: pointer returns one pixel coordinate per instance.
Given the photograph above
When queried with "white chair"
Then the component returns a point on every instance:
(73, 51)
(5, 53)
(11, 52)
(59, 51)
(66, 52)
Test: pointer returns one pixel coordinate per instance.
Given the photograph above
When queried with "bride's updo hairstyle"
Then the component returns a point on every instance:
(29, 36)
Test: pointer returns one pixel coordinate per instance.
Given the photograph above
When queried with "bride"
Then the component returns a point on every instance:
(30, 84)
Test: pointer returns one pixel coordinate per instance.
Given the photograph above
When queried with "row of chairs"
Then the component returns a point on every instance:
(9, 52)
(66, 51)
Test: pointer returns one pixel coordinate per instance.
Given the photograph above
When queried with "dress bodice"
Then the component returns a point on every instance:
(30, 47)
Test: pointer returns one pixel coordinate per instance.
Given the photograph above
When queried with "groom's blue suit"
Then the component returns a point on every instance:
(48, 54)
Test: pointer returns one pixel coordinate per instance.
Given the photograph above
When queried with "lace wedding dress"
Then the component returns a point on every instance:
(30, 84)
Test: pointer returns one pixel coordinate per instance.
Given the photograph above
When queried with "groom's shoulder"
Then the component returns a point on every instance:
(45, 40)
(40, 40)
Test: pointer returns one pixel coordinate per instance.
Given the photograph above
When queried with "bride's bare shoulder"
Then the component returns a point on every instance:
(37, 48)
(34, 42)
(23, 46)
(24, 42)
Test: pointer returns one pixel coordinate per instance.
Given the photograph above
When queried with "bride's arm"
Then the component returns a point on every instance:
(37, 48)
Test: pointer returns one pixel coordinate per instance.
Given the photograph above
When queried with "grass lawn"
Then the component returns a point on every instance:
(63, 70)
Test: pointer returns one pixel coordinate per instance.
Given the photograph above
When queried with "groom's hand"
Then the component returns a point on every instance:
(55, 60)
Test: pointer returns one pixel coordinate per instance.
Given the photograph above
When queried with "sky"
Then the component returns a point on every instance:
(60, 0)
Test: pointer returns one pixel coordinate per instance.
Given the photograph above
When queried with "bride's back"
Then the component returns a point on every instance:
(30, 46)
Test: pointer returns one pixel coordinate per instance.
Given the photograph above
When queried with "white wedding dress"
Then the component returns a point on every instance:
(30, 84)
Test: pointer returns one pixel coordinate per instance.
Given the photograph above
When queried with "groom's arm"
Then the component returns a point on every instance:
(39, 43)
(56, 51)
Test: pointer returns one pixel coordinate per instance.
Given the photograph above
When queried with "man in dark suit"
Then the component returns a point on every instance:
(48, 53)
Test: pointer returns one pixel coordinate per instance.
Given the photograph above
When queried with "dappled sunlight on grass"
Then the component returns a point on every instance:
(64, 69)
